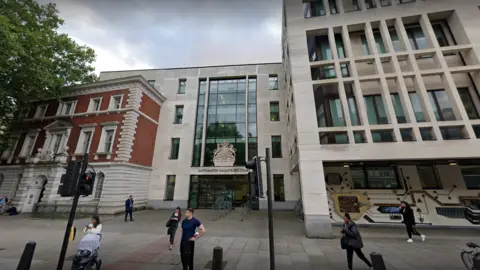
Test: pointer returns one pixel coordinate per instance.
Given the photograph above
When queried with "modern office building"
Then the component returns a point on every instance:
(383, 97)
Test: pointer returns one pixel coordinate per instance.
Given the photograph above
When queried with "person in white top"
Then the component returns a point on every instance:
(95, 226)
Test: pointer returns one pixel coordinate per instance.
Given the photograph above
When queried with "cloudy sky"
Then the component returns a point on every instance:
(137, 34)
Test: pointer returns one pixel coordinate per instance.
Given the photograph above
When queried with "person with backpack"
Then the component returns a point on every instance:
(352, 241)
(409, 220)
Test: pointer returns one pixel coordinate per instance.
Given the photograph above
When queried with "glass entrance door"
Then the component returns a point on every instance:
(206, 190)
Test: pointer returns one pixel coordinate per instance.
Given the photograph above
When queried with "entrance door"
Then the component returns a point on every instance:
(205, 191)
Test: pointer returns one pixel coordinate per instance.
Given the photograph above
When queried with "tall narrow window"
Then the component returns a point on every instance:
(417, 106)
(109, 134)
(182, 85)
(86, 141)
(429, 177)
(55, 145)
(397, 44)
(175, 147)
(178, 114)
(378, 42)
(28, 145)
(115, 102)
(333, 6)
(93, 106)
(278, 188)
(40, 112)
(276, 146)
(376, 110)
(273, 82)
(397, 106)
(440, 35)
(468, 103)
(274, 111)
(352, 105)
(442, 107)
(99, 184)
(170, 188)
(416, 37)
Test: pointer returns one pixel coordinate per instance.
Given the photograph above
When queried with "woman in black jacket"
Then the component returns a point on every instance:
(409, 220)
(173, 225)
(353, 241)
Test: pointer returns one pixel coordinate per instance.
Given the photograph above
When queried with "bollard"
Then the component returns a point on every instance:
(27, 256)
(377, 261)
(217, 261)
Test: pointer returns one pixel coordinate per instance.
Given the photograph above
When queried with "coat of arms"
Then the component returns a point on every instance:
(224, 155)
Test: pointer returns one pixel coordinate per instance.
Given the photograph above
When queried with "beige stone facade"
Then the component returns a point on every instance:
(382, 82)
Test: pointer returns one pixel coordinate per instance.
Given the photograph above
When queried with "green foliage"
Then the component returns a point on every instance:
(36, 61)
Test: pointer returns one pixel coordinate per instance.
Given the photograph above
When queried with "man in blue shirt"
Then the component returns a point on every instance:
(129, 208)
(189, 236)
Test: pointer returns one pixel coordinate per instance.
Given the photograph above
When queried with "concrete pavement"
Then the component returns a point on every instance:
(143, 244)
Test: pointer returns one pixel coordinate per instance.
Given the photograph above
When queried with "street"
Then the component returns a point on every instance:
(143, 244)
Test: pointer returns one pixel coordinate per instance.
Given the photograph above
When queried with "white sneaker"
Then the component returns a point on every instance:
(409, 241)
(423, 237)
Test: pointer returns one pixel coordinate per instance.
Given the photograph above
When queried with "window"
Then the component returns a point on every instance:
(378, 42)
(274, 111)
(397, 107)
(427, 134)
(7, 153)
(106, 142)
(468, 103)
(359, 137)
(55, 142)
(384, 177)
(440, 35)
(178, 114)
(407, 134)
(170, 188)
(328, 106)
(333, 138)
(66, 108)
(314, 9)
(273, 82)
(429, 177)
(416, 37)
(94, 105)
(397, 44)
(405, 1)
(276, 146)
(385, 3)
(152, 83)
(417, 106)
(379, 136)
(376, 110)
(115, 102)
(278, 188)
(28, 145)
(471, 176)
(175, 147)
(83, 145)
(452, 133)
(41, 110)
(182, 85)
(350, 5)
(441, 105)
(333, 6)
(370, 4)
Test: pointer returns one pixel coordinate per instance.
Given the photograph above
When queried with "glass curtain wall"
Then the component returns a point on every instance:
(252, 118)
(197, 143)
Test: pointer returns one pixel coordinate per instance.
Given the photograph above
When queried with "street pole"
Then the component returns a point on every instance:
(270, 212)
(71, 217)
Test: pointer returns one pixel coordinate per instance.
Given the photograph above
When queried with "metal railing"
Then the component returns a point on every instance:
(221, 208)
(299, 210)
(245, 209)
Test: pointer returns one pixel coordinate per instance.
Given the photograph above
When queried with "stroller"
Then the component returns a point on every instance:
(86, 256)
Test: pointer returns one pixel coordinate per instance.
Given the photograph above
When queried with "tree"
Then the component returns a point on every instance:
(36, 61)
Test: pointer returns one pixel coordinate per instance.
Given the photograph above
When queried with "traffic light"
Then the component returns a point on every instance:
(255, 166)
(86, 182)
(68, 182)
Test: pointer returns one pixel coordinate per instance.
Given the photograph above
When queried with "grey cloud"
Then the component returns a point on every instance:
(175, 33)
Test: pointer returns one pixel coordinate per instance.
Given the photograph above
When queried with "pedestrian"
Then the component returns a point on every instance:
(352, 241)
(189, 236)
(409, 220)
(172, 225)
(129, 208)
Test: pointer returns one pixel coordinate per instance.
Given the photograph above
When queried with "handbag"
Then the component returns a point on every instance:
(169, 223)
(343, 242)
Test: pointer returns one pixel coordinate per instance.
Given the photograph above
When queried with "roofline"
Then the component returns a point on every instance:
(175, 68)
(136, 78)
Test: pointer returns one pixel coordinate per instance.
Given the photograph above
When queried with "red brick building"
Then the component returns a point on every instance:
(115, 121)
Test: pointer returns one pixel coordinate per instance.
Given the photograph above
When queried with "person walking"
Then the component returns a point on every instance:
(353, 241)
(129, 208)
(409, 220)
(172, 225)
(189, 236)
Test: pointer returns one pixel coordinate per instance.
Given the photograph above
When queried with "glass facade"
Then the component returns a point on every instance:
(229, 106)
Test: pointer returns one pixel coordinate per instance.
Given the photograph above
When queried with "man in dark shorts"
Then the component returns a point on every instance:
(189, 236)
